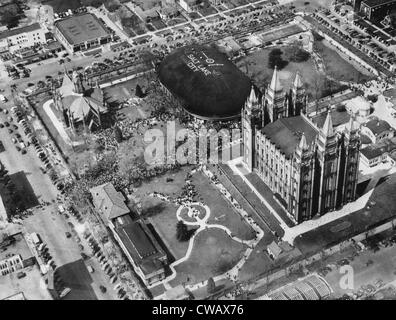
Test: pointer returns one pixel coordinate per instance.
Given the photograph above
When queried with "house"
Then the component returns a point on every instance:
(377, 130)
(379, 152)
(275, 250)
(109, 202)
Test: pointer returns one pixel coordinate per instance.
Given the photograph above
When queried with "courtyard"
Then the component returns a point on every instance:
(224, 233)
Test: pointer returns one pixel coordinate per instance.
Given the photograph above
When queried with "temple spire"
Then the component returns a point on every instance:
(252, 98)
(328, 126)
(275, 83)
(303, 143)
(298, 83)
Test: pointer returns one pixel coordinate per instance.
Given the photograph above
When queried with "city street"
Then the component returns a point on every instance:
(47, 222)
(368, 268)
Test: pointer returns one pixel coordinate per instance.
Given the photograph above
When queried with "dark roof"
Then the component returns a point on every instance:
(377, 126)
(364, 139)
(142, 246)
(209, 85)
(338, 118)
(112, 203)
(13, 32)
(80, 28)
(286, 133)
(375, 3)
(375, 150)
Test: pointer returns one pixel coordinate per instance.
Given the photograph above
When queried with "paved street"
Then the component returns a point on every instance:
(49, 223)
(383, 267)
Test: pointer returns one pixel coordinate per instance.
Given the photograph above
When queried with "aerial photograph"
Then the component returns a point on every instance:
(198, 150)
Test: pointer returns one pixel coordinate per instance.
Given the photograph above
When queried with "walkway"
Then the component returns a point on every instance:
(292, 233)
(57, 124)
(202, 224)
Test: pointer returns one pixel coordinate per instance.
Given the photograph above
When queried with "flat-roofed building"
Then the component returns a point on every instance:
(82, 32)
(142, 249)
(377, 9)
(134, 237)
(189, 5)
(20, 38)
(15, 254)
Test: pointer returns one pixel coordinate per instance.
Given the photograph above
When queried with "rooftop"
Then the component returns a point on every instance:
(142, 246)
(375, 150)
(80, 28)
(376, 3)
(112, 203)
(338, 118)
(80, 106)
(13, 32)
(377, 126)
(15, 245)
(286, 133)
(208, 84)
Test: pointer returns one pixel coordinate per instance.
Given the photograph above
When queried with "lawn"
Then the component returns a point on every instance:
(255, 66)
(336, 66)
(214, 253)
(120, 93)
(164, 221)
(163, 214)
(222, 212)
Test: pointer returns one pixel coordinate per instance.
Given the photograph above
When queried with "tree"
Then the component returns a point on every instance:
(373, 98)
(182, 233)
(275, 59)
(211, 286)
(296, 53)
(118, 134)
(139, 92)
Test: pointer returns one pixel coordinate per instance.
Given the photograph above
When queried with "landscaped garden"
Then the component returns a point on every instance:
(214, 253)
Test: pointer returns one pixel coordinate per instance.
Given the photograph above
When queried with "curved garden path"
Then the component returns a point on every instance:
(202, 224)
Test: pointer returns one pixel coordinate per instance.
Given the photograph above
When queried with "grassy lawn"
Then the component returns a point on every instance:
(164, 223)
(222, 212)
(214, 253)
(258, 262)
(255, 66)
(336, 66)
(163, 214)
